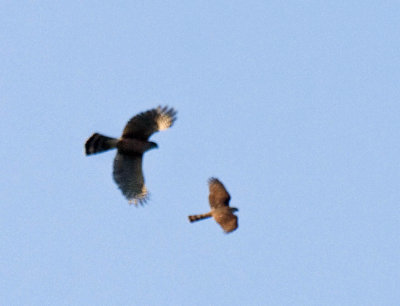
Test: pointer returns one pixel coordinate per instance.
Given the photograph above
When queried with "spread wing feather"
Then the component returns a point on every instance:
(218, 196)
(144, 124)
(228, 221)
(128, 175)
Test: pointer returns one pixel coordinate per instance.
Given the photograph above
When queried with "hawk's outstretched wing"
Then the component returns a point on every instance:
(225, 218)
(218, 196)
(143, 125)
(128, 175)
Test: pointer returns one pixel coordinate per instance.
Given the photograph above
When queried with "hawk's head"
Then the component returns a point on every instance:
(151, 145)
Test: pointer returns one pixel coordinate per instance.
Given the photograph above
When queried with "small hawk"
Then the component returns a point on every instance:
(220, 210)
(128, 173)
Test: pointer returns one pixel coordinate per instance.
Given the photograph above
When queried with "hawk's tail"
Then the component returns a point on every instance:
(99, 143)
(199, 217)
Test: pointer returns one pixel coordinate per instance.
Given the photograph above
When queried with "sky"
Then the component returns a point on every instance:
(293, 105)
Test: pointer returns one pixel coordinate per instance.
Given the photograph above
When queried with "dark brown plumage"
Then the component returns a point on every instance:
(220, 210)
(128, 173)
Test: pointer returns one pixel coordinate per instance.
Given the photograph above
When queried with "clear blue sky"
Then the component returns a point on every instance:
(294, 105)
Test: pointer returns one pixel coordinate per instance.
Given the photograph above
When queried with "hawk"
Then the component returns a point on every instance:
(128, 173)
(220, 210)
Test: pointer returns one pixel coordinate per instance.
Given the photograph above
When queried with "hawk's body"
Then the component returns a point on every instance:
(220, 210)
(128, 173)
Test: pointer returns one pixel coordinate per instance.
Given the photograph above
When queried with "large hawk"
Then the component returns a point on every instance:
(128, 173)
(219, 202)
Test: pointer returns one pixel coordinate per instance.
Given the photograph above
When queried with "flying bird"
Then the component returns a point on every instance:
(220, 210)
(131, 146)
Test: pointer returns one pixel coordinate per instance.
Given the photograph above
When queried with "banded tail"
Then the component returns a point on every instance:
(98, 143)
(199, 217)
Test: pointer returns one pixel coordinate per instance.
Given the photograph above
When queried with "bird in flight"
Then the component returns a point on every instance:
(220, 210)
(131, 146)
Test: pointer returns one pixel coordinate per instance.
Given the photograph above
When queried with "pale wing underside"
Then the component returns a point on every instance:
(128, 175)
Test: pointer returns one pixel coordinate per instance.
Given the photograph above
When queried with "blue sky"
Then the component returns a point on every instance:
(293, 105)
